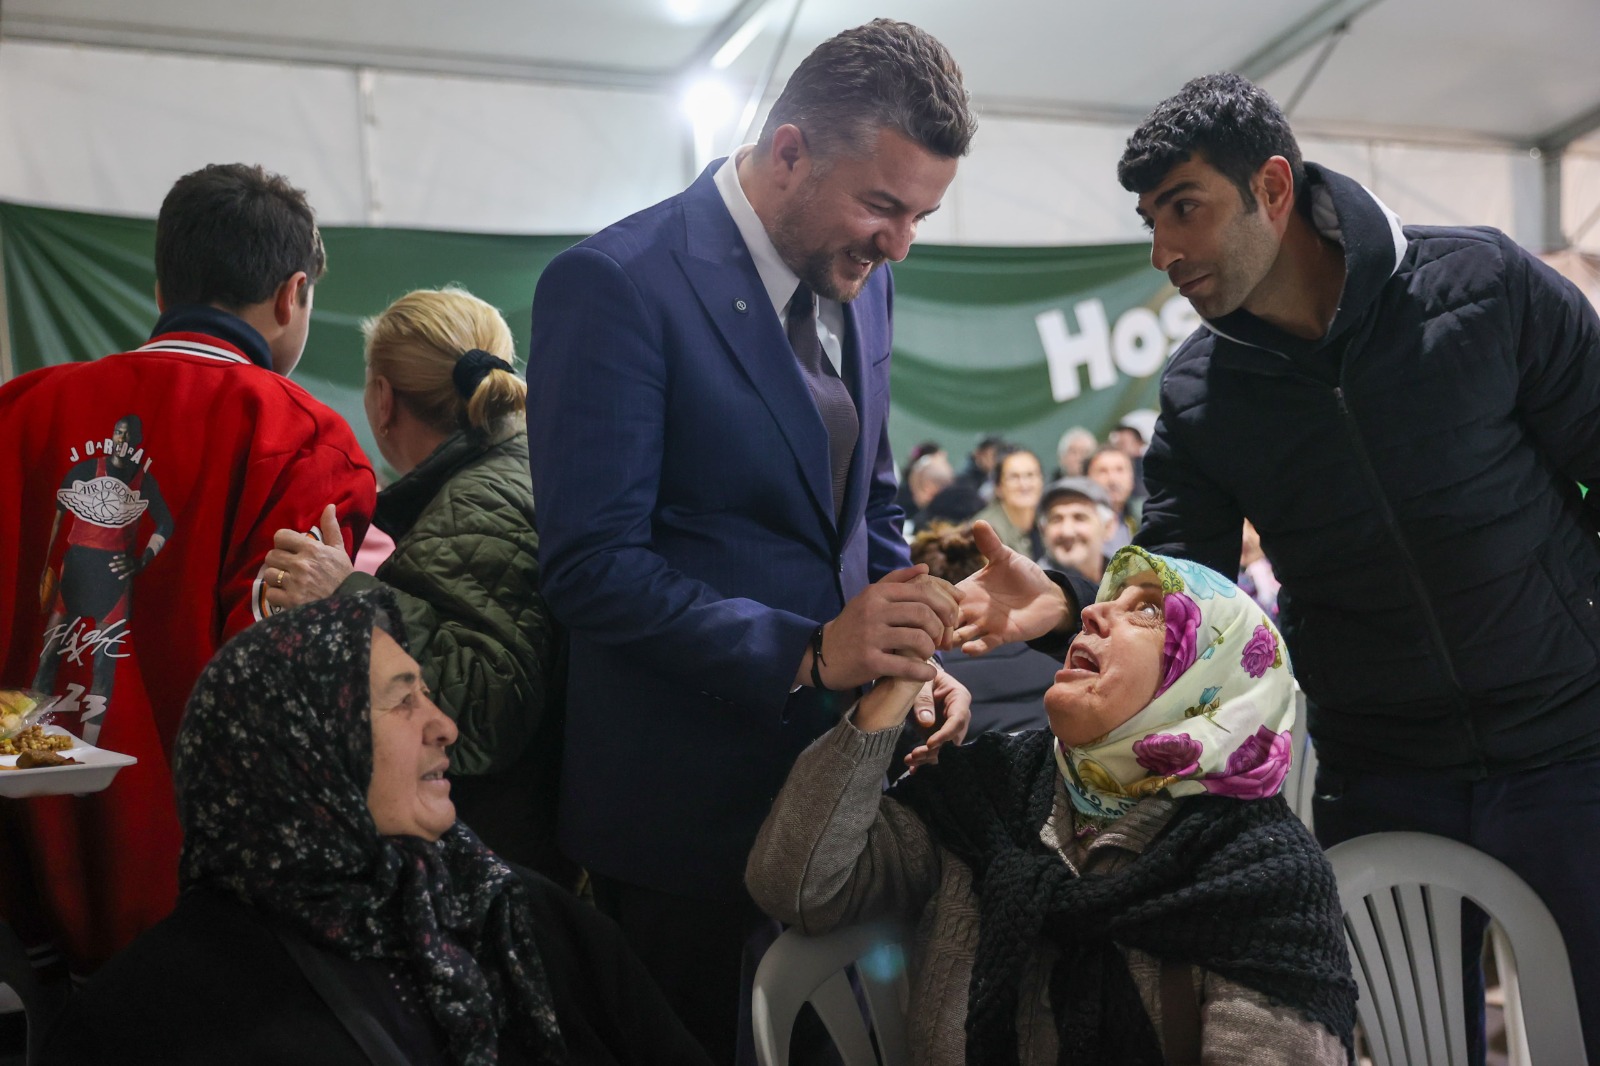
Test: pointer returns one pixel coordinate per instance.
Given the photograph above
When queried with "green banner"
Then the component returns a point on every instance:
(1026, 342)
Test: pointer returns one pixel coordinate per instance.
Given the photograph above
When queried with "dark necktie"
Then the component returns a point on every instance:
(833, 401)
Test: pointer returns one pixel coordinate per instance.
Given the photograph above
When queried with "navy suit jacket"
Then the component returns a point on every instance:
(687, 534)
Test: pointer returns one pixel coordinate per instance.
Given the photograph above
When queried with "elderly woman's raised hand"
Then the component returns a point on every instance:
(944, 702)
(300, 568)
(1009, 600)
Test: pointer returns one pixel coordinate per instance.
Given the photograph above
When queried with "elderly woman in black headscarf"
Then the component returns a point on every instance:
(333, 910)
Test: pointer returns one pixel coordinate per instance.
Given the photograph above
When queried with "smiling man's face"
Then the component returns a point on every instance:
(848, 215)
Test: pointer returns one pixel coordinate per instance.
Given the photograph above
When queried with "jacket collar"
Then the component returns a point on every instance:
(214, 322)
(400, 504)
(1343, 210)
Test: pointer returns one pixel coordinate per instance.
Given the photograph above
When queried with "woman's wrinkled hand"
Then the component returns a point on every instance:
(300, 569)
(946, 704)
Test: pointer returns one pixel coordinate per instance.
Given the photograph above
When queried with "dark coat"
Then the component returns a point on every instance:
(1413, 476)
(212, 983)
(688, 535)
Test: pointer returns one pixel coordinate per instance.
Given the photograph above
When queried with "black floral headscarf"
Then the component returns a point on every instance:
(273, 762)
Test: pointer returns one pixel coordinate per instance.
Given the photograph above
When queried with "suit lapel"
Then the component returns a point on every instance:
(724, 278)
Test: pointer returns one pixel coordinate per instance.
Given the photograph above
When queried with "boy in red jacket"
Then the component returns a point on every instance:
(143, 492)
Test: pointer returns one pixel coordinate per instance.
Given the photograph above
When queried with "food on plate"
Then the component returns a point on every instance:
(34, 738)
(15, 706)
(33, 760)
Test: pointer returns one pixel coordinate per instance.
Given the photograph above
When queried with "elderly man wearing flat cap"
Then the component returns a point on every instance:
(1075, 520)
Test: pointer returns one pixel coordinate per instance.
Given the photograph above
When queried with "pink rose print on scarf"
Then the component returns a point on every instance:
(1256, 770)
(1260, 653)
(1168, 754)
(1183, 624)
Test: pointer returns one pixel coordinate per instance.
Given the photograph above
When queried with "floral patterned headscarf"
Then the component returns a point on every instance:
(1222, 713)
(273, 762)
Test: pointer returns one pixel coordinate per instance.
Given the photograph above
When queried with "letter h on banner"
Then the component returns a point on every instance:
(1064, 353)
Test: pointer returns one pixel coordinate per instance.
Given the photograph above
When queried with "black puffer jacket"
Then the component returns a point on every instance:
(1412, 475)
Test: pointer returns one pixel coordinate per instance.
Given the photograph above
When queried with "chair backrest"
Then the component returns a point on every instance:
(798, 969)
(1401, 894)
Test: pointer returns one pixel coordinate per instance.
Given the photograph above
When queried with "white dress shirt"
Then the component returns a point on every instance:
(779, 281)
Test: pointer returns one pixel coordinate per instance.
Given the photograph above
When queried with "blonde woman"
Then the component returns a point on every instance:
(447, 409)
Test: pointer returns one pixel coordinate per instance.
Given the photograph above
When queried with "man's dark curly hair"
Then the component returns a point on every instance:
(1225, 118)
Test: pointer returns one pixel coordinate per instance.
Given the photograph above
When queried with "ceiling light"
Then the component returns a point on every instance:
(708, 103)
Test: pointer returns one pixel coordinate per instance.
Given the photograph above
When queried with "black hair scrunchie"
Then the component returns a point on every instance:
(473, 367)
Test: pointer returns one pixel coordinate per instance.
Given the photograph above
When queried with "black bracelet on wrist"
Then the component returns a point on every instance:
(816, 660)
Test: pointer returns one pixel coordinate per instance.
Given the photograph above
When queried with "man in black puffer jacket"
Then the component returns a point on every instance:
(1405, 415)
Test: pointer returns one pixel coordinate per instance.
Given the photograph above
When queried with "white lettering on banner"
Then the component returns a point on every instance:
(1136, 345)
(1065, 353)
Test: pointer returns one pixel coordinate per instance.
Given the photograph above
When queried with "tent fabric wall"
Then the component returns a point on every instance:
(107, 130)
(1580, 199)
(987, 339)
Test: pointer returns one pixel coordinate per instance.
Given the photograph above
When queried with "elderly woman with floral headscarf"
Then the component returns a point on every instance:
(333, 910)
(1126, 887)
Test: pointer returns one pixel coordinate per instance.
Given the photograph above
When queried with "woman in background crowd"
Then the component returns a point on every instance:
(1018, 484)
(1073, 451)
(448, 409)
(333, 911)
(1255, 572)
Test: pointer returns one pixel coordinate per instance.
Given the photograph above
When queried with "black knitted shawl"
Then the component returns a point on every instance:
(1239, 888)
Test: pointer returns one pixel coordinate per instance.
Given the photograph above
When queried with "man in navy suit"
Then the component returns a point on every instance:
(709, 390)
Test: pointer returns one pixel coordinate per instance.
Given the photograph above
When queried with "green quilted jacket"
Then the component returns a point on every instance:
(466, 574)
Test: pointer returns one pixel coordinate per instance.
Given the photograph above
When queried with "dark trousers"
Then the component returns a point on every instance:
(703, 953)
(1544, 824)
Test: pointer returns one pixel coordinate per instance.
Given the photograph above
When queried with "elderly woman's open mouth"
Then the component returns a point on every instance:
(1079, 659)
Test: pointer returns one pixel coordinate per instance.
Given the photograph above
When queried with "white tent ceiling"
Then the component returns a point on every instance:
(558, 115)
(1514, 73)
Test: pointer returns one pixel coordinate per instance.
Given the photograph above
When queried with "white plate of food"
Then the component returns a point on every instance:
(91, 769)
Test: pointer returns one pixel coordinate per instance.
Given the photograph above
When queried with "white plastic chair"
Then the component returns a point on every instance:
(798, 969)
(1401, 894)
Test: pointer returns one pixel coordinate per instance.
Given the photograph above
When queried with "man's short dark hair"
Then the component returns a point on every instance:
(1224, 118)
(885, 74)
(230, 234)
